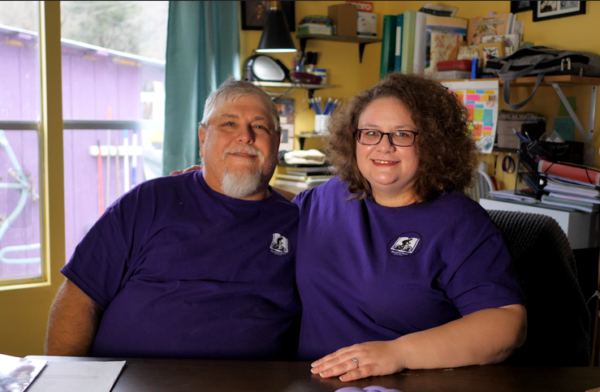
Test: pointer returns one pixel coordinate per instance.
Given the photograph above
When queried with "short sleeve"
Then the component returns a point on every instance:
(100, 262)
(485, 279)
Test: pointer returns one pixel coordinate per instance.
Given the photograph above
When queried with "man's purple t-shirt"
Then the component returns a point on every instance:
(183, 271)
(367, 272)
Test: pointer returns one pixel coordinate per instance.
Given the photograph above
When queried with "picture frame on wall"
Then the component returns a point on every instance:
(521, 6)
(490, 50)
(254, 14)
(546, 10)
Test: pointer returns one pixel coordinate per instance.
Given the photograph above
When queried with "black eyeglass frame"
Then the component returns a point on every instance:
(389, 135)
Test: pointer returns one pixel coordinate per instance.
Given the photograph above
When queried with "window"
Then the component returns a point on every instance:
(20, 149)
(113, 71)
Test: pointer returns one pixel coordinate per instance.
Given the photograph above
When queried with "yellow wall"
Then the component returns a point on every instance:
(23, 313)
(341, 60)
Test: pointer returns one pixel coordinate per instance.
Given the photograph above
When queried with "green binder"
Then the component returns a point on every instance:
(408, 41)
(388, 46)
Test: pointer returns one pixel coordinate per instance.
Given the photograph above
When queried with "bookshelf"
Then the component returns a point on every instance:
(361, 41)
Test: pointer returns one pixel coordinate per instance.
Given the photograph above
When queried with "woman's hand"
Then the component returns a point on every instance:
(362, 360)
(189, 169)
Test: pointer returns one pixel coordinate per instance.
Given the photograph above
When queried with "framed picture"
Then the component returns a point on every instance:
(254, 14)
(520, 6)
(490, 50)
(285, 107)
(545, 10)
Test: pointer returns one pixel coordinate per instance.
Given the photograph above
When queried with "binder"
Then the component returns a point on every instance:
(408, 42)
(420, 43)
(388, 45)
(398, 58)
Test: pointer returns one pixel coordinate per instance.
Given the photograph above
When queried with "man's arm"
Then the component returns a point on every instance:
(72, 323)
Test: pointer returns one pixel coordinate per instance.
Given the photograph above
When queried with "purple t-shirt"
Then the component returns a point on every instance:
(183, 271)
(367, 272)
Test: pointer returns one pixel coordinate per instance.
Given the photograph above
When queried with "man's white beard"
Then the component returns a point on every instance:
(241, 183)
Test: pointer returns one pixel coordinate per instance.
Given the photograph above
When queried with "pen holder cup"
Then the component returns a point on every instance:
(321, 123)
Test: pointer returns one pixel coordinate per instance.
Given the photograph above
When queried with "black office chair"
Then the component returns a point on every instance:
(558, 320)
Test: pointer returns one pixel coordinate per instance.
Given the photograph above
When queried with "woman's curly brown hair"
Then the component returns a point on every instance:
(447, 155)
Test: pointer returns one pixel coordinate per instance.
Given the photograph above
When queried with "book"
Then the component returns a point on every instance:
(313, 170)
(509, 195)
(307, 179)
(579, 173)
(388, 46)
(408, 42)
(420, 43)
(573, 204)
(443, 25)
(491, 24)
(398, 57)
(511, 42)
(565, 181)
(571, 189)
(441, 48)
(583, 199)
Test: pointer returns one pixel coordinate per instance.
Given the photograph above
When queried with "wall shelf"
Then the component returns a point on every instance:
(303, 136)
(361, 41)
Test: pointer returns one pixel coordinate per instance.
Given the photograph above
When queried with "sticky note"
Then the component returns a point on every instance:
(565, 127)
(478, 115)
(470, 91)
(488, 116)
(477, 130)
(489, 133)
(562, 110)
(479, 106)
(490, 92)
(470, 102)
(471, 113)
(480, 91)
(484, 98)
(472, 97)
(487, 127)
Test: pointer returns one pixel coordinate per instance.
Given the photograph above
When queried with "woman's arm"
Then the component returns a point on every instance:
(483, 337)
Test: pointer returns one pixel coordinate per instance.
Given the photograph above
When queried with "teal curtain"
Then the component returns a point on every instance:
(203, 50)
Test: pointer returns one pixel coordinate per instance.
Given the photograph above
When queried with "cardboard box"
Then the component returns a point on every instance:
(367, 24)
(344, 17)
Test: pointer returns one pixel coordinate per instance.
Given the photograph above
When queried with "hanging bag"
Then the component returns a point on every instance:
(541, 61)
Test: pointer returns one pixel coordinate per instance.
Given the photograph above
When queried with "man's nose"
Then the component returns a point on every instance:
(246, 134)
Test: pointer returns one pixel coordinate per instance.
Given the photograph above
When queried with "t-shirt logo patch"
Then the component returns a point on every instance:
(279, 245)
(405, 244)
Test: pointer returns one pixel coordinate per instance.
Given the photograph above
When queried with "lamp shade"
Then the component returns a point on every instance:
(276, 36)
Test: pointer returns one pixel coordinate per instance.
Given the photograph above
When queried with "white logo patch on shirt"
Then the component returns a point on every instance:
(279, 245)
(405, 244)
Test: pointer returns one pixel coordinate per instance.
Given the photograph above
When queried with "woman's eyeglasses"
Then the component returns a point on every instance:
(370, 137)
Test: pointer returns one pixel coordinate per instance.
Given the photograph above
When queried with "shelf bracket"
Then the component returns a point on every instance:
(361, 50)
(586, 137)
(303, 45)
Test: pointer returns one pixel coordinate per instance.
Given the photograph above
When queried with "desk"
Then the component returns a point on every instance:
(165, 375)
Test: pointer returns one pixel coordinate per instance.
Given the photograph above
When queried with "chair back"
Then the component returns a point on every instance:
(482, 184)
(558, 320)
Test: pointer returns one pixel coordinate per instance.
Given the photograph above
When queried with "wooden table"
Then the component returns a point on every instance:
(150, 375)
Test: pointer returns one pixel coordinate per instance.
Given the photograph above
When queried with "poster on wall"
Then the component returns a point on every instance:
(285, 107)
(481, 101)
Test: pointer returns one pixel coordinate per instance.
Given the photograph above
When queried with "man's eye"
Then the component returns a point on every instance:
(228, 123)
(261, 127)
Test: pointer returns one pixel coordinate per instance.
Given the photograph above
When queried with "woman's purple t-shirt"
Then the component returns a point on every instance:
(367, 272)
(185, 272)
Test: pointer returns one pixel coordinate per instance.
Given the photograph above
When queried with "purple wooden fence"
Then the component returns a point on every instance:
(93, 82)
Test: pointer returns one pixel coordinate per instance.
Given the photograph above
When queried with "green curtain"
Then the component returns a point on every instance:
(203, 50)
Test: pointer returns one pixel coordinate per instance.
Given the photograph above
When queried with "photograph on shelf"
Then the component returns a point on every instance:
(546, 10)
(285, 108)
(490, 50)
(521, 6)
(254, 14)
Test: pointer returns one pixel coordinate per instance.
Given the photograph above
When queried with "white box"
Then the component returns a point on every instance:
(367, 24)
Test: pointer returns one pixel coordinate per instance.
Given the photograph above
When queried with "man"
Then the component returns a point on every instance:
(184, 266)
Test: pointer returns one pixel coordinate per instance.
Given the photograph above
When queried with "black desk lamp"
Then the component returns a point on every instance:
(276, 36)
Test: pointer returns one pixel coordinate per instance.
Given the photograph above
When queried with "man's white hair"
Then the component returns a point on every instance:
(233, 89)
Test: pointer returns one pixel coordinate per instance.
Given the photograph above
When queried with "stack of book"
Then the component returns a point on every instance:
(573, 187)
(298, 179)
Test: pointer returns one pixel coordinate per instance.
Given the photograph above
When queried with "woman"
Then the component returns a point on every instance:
(396, 267)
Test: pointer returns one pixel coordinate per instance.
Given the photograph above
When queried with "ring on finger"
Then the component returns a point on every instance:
(355, 361)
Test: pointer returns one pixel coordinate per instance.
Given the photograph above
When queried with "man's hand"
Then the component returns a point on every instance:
(361, 360)
(189, 169)
(72, 323)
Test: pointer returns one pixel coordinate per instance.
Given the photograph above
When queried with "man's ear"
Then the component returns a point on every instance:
(201, 138)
